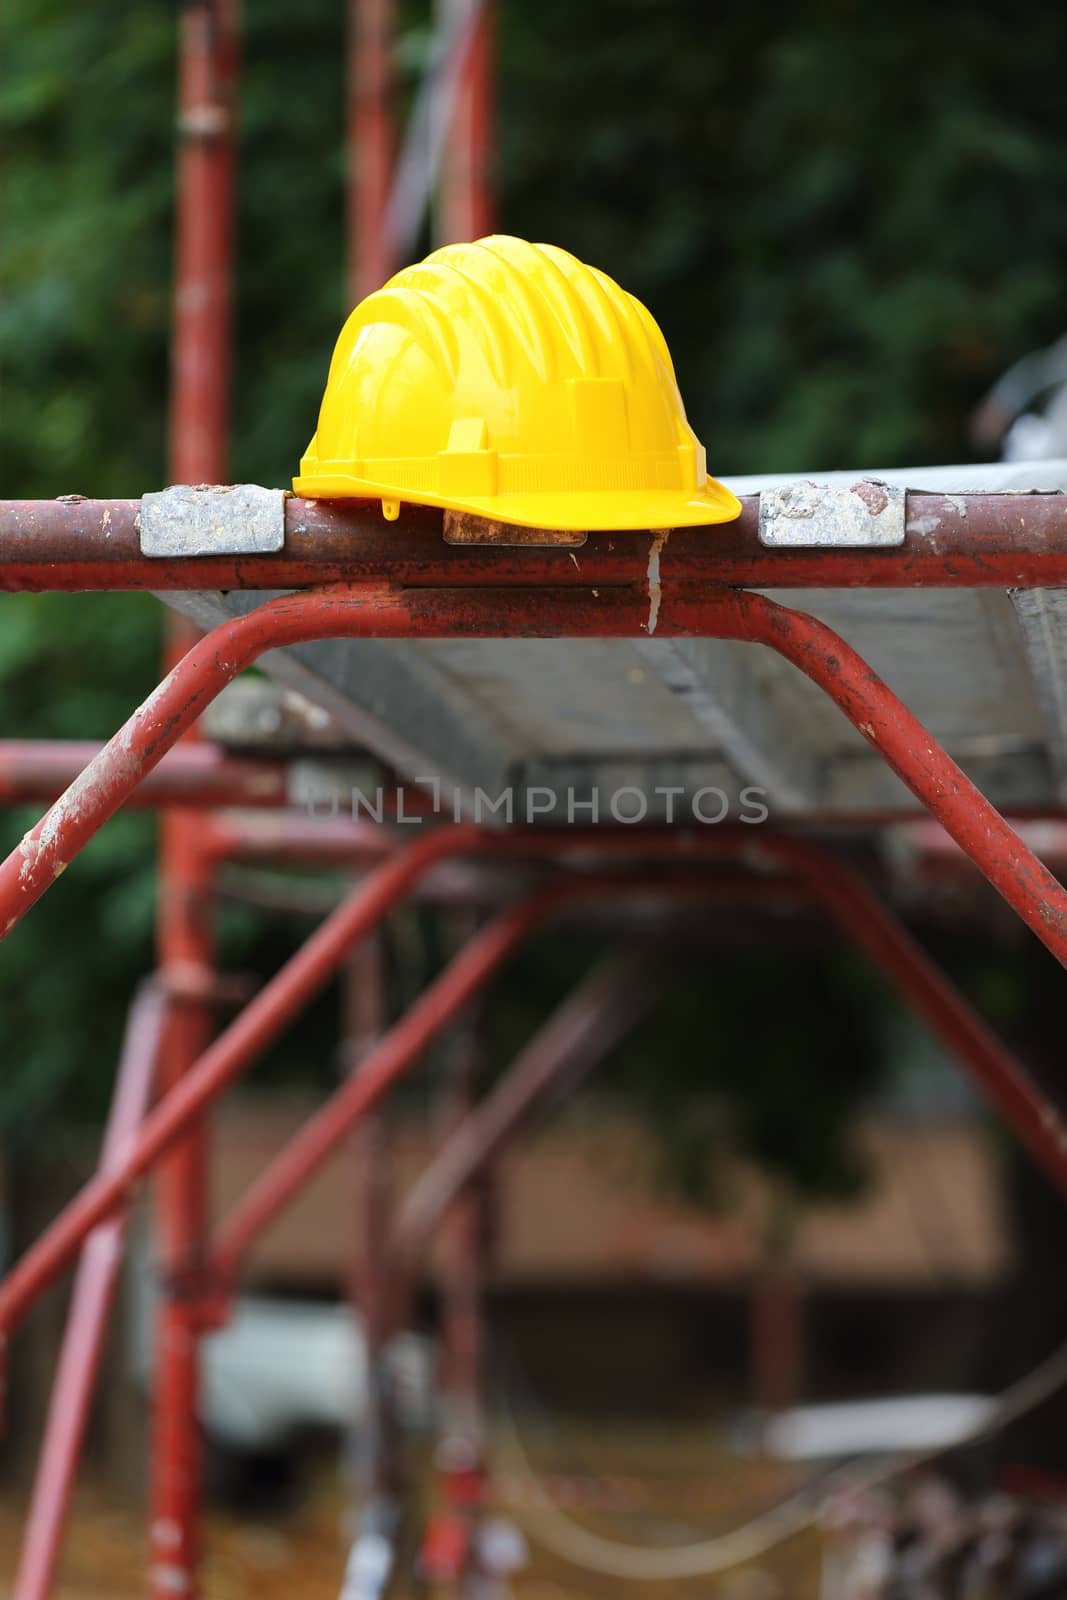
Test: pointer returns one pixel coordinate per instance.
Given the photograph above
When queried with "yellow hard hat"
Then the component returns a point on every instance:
(512, 381)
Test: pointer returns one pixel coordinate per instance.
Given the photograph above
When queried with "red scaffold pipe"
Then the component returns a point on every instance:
(385, 1063)
(969, 541)
(343, 612)
(595, 1016)
(208, 59)
(851, 903)
(90, 1307)
(196, 775)
(370, 146)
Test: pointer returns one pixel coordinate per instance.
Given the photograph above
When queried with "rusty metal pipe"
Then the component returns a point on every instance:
(208, 40)
(365, 1022)
(598, 1013)
(194, 775)
(465, 1236)
(91, 1302)
(971, 541)
(952, 1020)
(289, 837)
(465, 210)
(371, 258)
(904, 744)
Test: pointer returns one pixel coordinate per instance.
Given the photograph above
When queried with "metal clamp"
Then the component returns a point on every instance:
(866, 515)
(213, 520)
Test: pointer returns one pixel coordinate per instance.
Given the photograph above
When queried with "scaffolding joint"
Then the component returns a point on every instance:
(213, 520)
(193, 982)
(867, 515)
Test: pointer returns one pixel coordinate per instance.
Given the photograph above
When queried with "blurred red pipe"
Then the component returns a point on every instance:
(465, 1236)
(198, 453)
(290, 837)
(90, 1308)
(370, 146)
(594, 1017)
(466, 210)
(204, 232)
(196, 774)
(365, 1021)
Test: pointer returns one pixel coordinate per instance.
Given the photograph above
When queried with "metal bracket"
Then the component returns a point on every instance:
(868, 514)
(213, 520)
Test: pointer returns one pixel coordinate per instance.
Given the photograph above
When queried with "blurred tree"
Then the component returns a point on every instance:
(847, 220)
(714, 1071)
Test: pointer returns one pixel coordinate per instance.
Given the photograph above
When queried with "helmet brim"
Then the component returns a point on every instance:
(591, 510)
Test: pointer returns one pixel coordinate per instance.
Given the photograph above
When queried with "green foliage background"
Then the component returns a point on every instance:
(848, 219)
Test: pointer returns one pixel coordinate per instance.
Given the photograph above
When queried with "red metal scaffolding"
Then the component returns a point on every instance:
(353, 577)
(394, 612)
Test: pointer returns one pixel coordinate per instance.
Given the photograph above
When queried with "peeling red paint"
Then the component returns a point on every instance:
(873, 496)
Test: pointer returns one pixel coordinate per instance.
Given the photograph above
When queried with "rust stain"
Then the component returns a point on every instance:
(873, 496)
(462, 527)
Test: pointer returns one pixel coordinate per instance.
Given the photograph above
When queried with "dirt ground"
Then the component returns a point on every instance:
(640, 1486)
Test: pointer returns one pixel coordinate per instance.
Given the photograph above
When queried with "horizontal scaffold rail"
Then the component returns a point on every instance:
(970, 540)
(199, 775)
